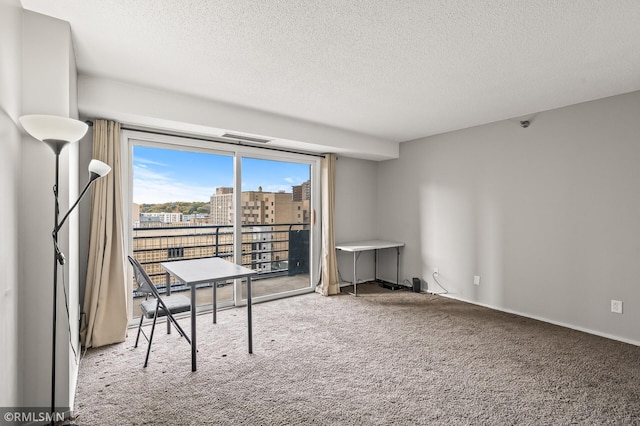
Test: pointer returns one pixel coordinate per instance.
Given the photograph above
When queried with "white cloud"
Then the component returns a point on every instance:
(141, 161)
(153, 187)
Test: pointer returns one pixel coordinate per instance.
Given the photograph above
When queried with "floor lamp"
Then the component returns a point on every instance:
(57, 132)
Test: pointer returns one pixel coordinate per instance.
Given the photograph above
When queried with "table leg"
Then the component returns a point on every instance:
(398, 265)
(193, 328)
(249, 325)
(375, 265)
(215, 302)
(167, 280)
(355, 284)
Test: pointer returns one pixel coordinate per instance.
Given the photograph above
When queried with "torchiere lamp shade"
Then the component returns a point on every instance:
(53, 130)
(98, 169)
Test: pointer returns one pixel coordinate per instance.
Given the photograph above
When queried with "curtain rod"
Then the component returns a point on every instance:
(212, 139)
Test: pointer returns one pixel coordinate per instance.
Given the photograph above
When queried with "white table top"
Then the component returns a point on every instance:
(209, 269)
(368, 245)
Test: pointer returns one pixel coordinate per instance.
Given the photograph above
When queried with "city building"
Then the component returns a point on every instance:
(302, 192)
(135, 214)
(161, 217)
(196, 218)
(222, 206)
(259, 207)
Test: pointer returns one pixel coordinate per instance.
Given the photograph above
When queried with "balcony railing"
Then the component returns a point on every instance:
(271, 250)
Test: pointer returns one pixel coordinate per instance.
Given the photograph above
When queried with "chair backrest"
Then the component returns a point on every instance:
(145, 285)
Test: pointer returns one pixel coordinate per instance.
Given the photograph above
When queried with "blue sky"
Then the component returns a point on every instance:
(163, 175)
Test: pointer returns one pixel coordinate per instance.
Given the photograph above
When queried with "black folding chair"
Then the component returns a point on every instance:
(157, 306)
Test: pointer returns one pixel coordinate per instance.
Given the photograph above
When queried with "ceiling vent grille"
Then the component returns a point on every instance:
(245, 138)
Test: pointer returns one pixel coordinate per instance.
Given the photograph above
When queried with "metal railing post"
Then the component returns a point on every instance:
(217, 236)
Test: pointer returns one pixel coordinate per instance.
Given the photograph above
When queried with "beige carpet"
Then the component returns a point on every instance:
(381, 358)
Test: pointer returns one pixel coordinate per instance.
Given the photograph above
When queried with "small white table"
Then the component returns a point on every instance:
(360, 246)
(208, 270)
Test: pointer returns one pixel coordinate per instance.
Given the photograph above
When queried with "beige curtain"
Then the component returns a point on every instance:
(105, 298)
(329, 280)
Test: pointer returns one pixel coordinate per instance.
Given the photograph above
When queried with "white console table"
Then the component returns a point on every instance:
(358, 247)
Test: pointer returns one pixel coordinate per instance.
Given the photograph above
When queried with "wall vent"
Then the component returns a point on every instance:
(245, 138)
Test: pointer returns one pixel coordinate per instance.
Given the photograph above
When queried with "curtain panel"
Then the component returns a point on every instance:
(105, 299)
(329, 279)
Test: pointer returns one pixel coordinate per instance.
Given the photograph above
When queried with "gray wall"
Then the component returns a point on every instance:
(10, 137)
(355, 213)
(548, 216)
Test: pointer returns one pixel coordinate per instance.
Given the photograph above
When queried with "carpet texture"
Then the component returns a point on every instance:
(383, 358)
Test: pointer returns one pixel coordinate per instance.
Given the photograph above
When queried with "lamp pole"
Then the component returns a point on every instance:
(58, 258)
(55, 291)
(57, 147)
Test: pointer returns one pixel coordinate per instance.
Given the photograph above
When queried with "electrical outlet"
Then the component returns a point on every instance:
(616, 306)
(476, 279)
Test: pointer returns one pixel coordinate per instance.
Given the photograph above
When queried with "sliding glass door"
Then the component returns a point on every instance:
(185, 205)
(276, 223)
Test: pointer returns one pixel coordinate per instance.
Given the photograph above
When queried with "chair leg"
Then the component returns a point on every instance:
(139, 329)
(153, 327)
(173, 321)
(177, 326)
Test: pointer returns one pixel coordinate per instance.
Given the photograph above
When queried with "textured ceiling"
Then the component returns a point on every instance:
(394, 69)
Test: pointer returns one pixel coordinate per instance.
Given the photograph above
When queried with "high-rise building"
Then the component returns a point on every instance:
(222, 206)
(224, 190)
(302, 192)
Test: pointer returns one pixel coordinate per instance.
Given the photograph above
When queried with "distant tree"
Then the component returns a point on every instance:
(184, 207)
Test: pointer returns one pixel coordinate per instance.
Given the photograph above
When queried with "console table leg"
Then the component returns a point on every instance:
(355, 284)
